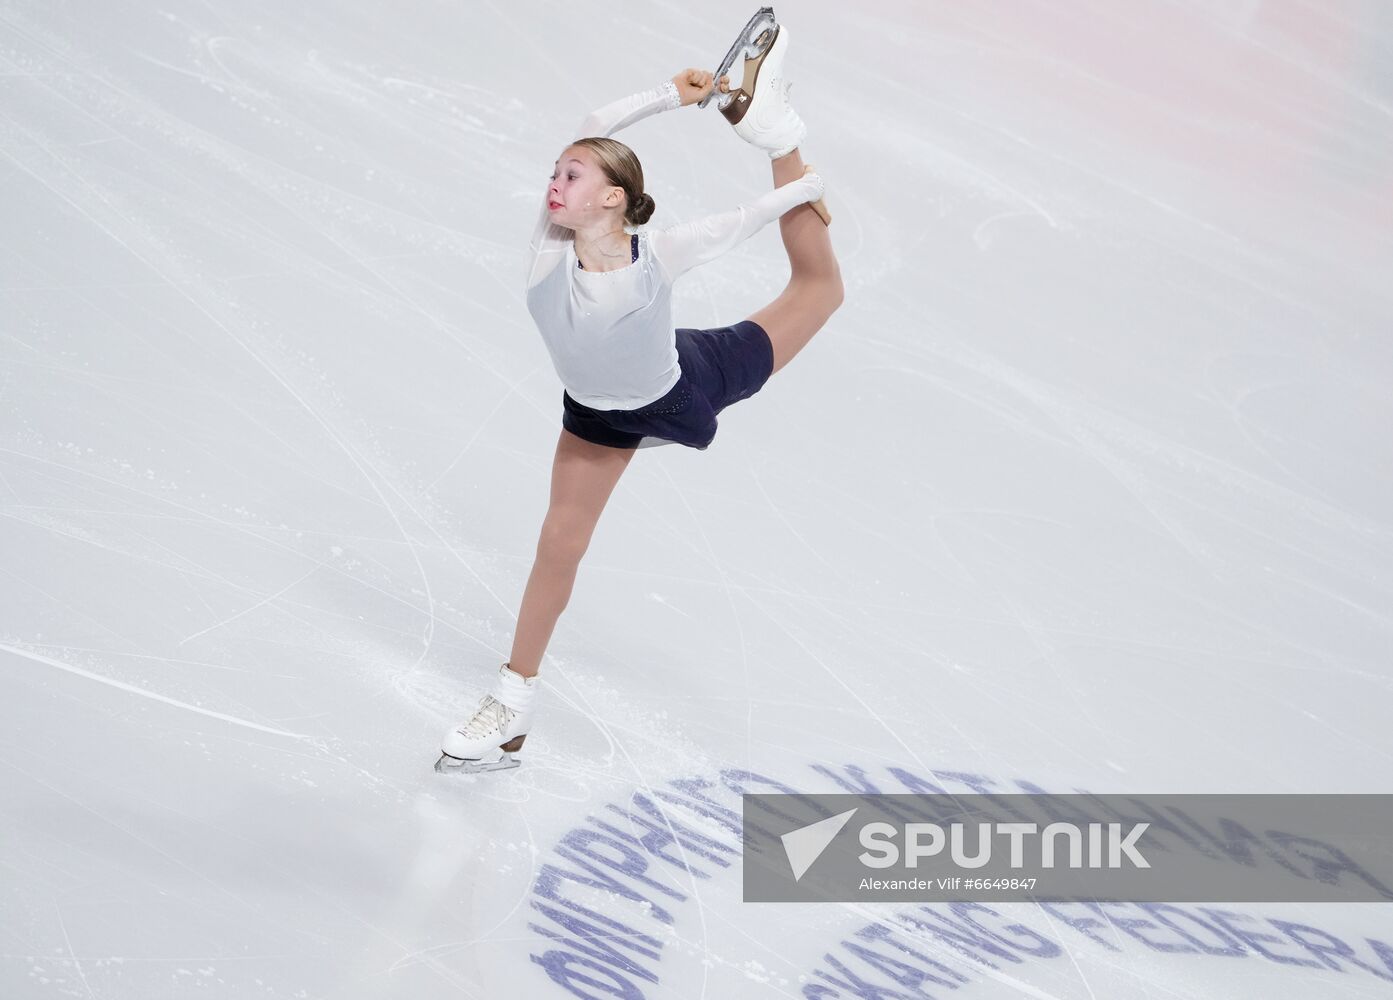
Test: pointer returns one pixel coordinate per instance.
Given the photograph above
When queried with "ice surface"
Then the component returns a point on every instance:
(1086, 485)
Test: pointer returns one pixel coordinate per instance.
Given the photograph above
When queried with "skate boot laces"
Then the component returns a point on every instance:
(492, 717)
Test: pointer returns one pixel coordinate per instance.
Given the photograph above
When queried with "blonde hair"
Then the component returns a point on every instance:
(622, 169)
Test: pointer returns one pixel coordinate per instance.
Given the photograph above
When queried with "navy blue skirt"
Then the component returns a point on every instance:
(720, 366)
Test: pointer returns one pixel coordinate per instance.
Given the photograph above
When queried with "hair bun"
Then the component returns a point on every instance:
(642, 209)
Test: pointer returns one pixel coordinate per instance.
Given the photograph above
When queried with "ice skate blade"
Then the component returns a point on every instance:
(454, 765)
(758, 26)
(743, 96)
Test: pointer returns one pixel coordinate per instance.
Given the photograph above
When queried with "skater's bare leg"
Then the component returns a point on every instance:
(814, 289)
(583, 475)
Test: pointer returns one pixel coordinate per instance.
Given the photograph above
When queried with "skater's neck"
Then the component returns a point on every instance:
(602, 247)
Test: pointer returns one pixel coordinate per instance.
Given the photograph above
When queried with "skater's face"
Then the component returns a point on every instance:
(579, 190)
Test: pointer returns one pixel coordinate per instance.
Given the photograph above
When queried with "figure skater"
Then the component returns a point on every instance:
(601, 297)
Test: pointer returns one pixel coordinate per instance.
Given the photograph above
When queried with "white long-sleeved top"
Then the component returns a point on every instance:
(610, 333)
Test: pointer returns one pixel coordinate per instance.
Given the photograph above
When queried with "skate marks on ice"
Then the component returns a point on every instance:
(49, 661)
(1177, 484)
(344, 217)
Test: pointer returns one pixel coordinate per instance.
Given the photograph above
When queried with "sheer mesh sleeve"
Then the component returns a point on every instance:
(680, 248)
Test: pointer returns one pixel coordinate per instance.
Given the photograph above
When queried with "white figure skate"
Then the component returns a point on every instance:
(758, 109)
(490, 737)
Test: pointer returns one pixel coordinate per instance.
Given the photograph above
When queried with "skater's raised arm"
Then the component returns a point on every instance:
(548, 239)
(680, 248)
(626, 111)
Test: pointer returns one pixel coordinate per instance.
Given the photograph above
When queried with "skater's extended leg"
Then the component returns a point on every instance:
(814, 289)
(583, 475)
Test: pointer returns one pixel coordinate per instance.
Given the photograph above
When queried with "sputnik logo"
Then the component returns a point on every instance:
(805, 845)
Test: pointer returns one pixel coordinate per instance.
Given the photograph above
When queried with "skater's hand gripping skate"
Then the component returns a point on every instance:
(694, 84)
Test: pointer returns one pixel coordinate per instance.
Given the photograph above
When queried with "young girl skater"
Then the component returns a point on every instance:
(601, 298)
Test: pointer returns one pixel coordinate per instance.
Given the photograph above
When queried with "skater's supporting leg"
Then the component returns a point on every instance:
(814, 289)
(583, 475)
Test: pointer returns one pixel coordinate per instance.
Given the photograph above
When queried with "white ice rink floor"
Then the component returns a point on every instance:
(1087, 486)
